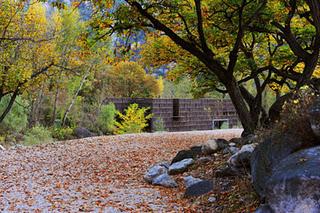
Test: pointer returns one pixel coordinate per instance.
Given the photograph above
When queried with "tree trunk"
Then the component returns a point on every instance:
(9, 106)
(54, 113)
(38, 106)
(240, 106)
(75, 96)
(31, 121)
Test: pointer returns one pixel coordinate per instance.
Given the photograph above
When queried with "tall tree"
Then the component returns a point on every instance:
(129, 79)
(26, 50)
(235, 41)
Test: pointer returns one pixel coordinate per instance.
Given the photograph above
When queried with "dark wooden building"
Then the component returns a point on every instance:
(184, 114)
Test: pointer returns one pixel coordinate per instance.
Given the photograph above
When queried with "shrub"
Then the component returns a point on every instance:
(62, 133)
(294, 117)
(37, 135)
(133, 121)
(158, 125)
(106, 118)
(17, 118)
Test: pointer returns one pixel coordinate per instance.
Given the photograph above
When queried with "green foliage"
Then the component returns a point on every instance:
(17, 118)
(158, 125)
(177, 89)
(106, 118)
(133, 121)
(62, 133)
(37, 135)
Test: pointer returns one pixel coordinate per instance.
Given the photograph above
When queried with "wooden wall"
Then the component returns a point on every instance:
(184, 114)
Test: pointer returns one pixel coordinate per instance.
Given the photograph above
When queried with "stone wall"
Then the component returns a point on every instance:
(184, 114)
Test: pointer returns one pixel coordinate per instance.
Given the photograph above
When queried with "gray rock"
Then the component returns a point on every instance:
(271, 151)
(196, 151)
(181, 166)
(264, 209)
(189, 181)
(164, 164)
(231, 150)
(212, 199)
(314, 112)
(183, 154)
(214, 145)
(242, 157)
(235, 141)
(18, 146)
(248, 139)
(205, 159)
(82, 132)
(155, 171)
(165, 180)
(232, 144)
(228, 172)
(295, 183)
(198, 189)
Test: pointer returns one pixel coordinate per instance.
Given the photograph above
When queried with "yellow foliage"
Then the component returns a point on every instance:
(129, 79)
(31, 51)
(133, 121)
(316, 73)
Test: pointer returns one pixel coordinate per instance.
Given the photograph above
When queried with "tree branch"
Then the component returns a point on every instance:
(233, 56)
(202, 36)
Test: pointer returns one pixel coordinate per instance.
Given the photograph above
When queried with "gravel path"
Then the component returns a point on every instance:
(101, 174)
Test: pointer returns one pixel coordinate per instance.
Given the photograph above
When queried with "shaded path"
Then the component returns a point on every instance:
(94, 174)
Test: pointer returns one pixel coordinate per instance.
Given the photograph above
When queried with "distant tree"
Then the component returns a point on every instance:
(129, 79)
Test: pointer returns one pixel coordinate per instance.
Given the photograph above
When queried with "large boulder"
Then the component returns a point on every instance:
(82, 132)
(295, 182)
(264, 209)
(271, 151)
(181, 166)
(314, 112)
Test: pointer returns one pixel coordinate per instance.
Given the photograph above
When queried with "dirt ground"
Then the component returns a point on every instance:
(100, 174)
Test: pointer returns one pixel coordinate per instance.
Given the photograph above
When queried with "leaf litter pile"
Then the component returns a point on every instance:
(106, 174)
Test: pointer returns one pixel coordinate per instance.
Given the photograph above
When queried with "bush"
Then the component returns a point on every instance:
(62, 133)
(37, 135)
(133, 121)
(106, 118)
(17, 118)
(158, 125)
(294, 117)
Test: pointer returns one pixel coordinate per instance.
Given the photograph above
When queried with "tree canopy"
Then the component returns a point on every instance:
(228, 44)
(129, 79)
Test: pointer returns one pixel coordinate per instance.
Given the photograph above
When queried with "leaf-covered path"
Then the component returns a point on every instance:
(101, 174)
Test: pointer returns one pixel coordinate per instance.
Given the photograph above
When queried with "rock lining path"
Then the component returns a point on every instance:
(100, 174)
